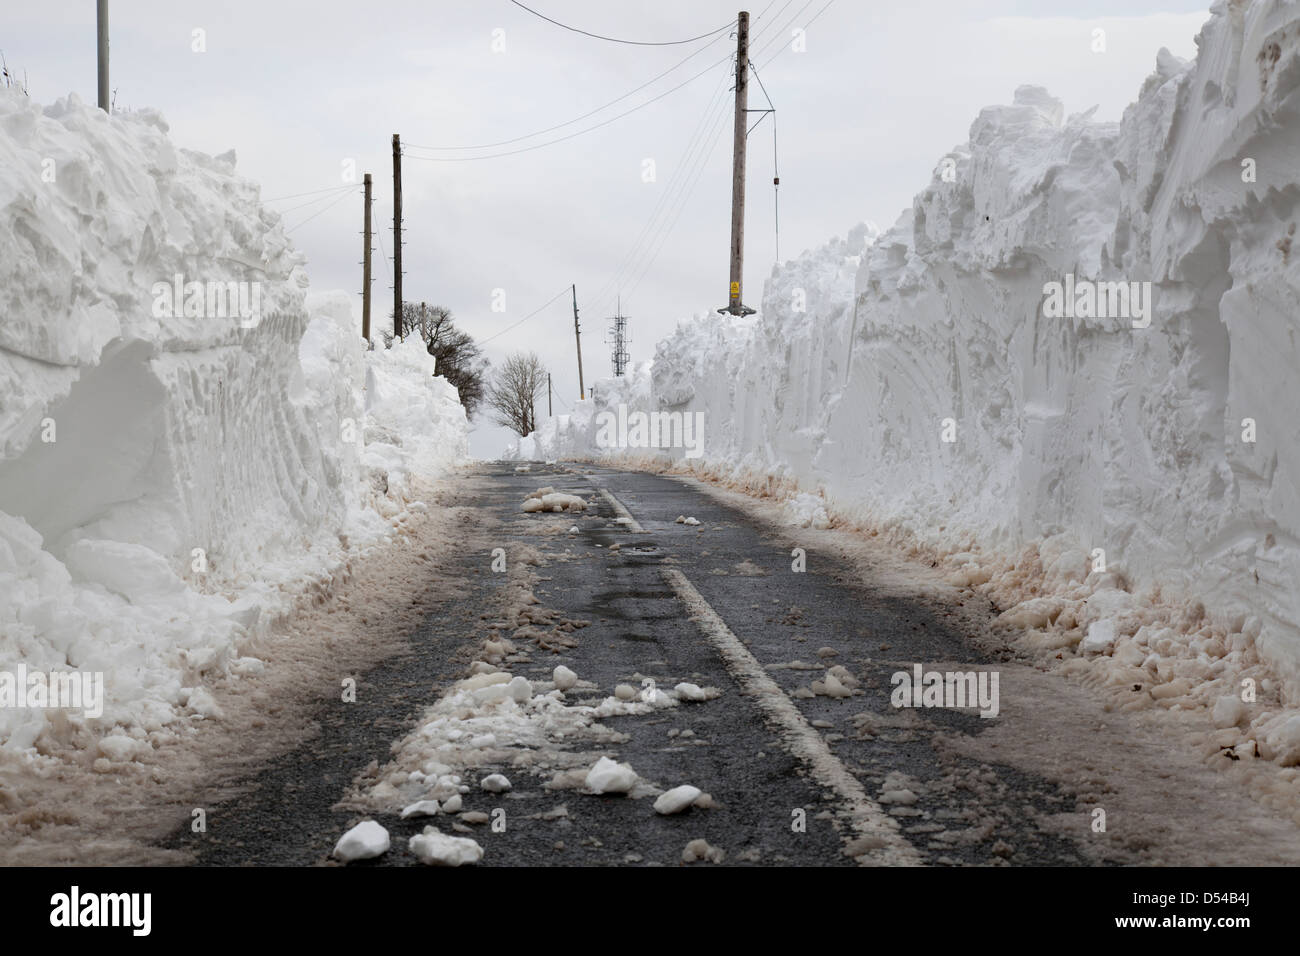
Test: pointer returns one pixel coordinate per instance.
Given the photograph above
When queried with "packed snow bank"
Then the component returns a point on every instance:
(187, 440)
(934, 384)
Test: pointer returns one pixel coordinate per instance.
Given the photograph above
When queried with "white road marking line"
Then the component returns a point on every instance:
(796, 734)
(630, 523)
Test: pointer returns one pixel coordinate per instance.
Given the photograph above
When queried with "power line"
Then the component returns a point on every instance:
(770, 23)
(552, 142)
(780, 34)
(810, 22)
(666, 227)
(684, 199)
(315, 214)
(328, 189)
(659, 238)
(312, 202)
(549, 302)
(576, 119)
(597, 36)
(679, 173)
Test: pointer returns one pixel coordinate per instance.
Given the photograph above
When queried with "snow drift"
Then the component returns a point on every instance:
(920, 381)
(174, 469)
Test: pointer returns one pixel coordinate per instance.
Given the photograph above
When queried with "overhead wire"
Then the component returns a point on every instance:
(780, 34)
(684, 199)
(810, 22)
(664, 230)
(576, 119)
(317, 213)
(597, 36)
(313, 202)
(327, 189)
(666, 227)
(622, 272)
(561, 139)
(535, 311)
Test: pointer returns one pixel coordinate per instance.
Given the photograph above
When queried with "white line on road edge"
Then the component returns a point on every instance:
(798, 736)
(630, 523)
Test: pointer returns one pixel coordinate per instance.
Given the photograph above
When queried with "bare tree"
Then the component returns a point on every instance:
(512, 396)
(460, 361)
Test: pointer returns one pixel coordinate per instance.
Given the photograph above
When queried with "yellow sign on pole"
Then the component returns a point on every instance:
(735, 289)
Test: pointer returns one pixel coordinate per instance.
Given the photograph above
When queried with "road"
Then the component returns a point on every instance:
(795, 778)
(761, 752)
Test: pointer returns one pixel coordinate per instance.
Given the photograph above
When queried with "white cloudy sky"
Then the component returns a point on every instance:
(296, 89)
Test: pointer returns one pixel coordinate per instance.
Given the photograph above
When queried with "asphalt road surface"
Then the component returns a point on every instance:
(795, 780)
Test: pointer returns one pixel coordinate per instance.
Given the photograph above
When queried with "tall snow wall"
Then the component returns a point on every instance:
(1174, 447)
(174, 470)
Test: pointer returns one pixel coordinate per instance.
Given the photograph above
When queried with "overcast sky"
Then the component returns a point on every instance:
(297, 89)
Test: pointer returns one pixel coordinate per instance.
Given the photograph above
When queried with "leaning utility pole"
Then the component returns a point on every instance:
(397, 236)
(365, 270)
(101, 21)
(582, 391)
(734, 304)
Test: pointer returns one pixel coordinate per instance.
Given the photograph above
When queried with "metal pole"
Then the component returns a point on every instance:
(101, 17)
(734, 304)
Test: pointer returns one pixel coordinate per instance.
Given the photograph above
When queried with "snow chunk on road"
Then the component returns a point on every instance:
(686, 691)
(548, 499)
(438, 849)
(564, 678)
(606, 776)
(365, 841)
(677, 799)
(698, 850)
(902, 798)
(495, 783)
(422, 808)
(695, 693)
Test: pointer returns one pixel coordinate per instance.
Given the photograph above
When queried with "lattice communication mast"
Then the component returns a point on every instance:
(619, 338)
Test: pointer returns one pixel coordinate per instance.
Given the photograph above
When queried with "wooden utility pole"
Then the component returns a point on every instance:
(101, 27)
(365, 270)
(397, 235)
(549, 413)
(734, 304)
(582, 392)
